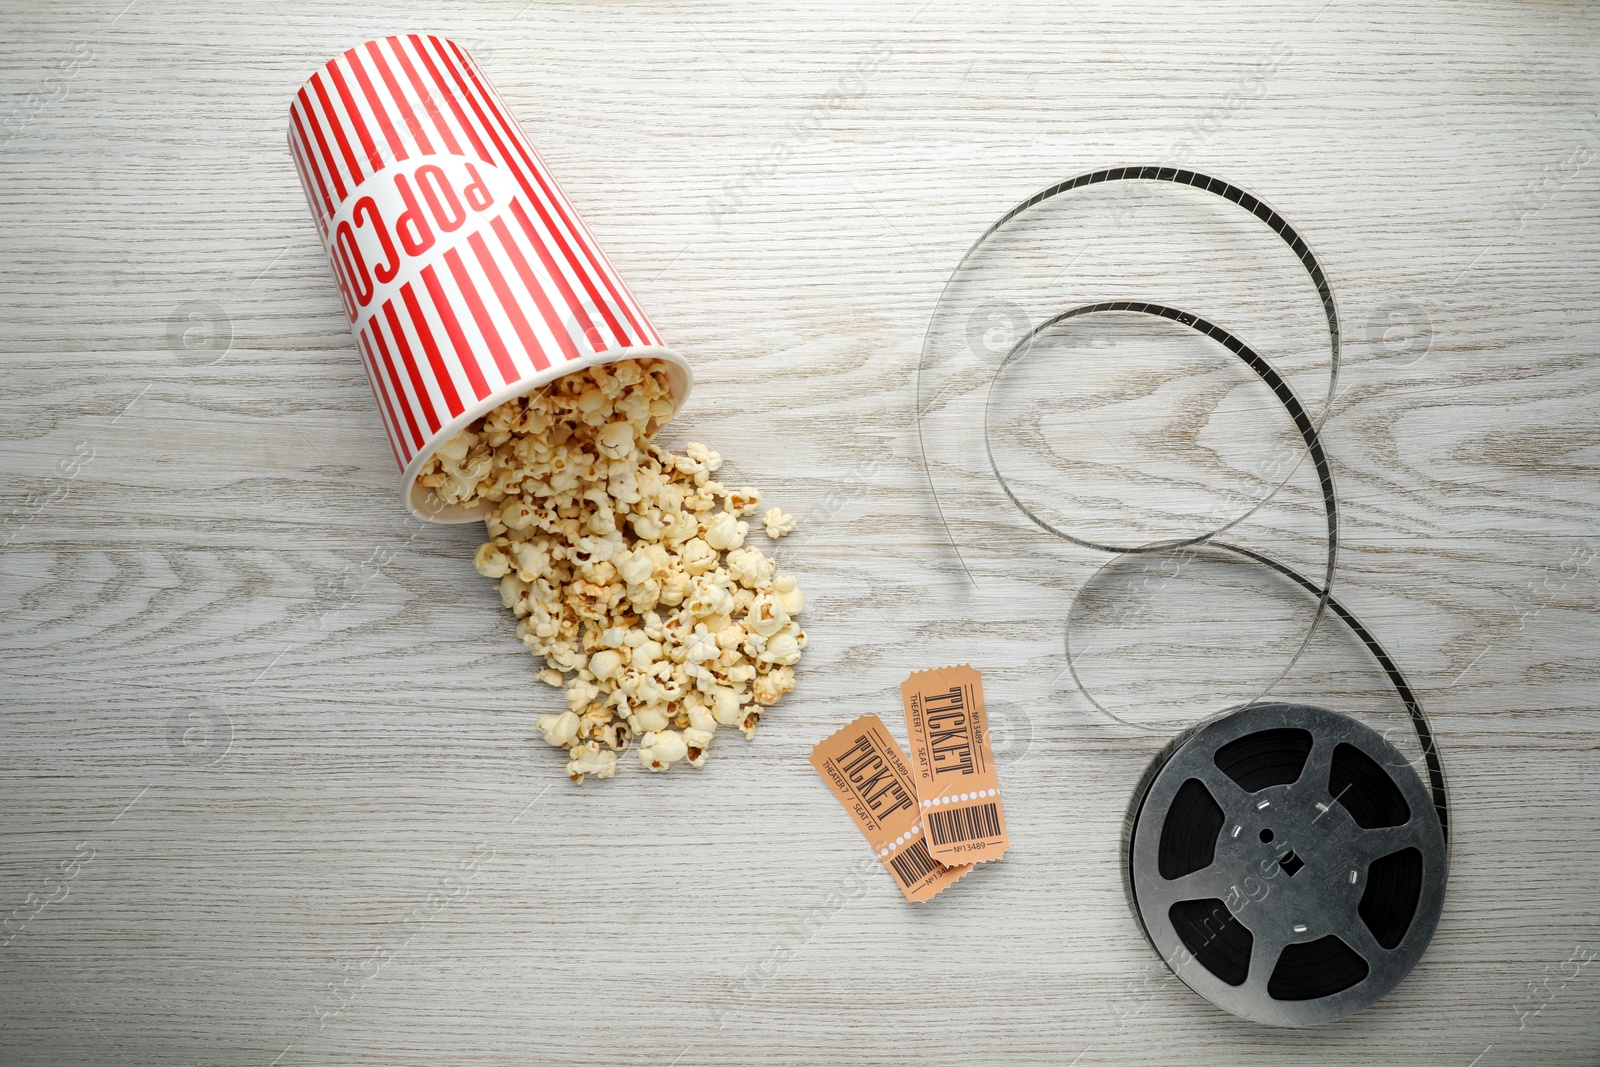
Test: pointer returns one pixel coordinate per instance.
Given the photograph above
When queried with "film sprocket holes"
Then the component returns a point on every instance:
(1283, 859)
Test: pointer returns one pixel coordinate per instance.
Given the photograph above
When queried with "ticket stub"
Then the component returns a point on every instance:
(957, 790)
(869, 774)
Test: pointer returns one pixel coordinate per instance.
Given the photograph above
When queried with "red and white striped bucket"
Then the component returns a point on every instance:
(468, 276)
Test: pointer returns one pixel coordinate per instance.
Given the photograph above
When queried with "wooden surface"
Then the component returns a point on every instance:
(268, 798)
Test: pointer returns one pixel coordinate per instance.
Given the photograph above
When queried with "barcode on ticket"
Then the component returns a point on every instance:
(976, 823)
(914, 864)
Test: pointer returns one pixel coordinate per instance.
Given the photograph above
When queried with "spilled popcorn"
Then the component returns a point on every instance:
(639, 592)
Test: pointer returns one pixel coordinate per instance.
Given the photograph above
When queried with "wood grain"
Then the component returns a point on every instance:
(306, 814)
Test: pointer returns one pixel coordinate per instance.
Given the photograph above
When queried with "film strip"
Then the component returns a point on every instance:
(1323, 911)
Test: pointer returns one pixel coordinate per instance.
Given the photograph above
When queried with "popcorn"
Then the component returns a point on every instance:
(700, 719)
(697, 556)
(491, 561)
(701, 647)
(748, 721)
(559, 730)
(788, 593)
(725, 532)
(778, 522)
(701, 454)
(605, 664)
(642, 598)
(766, 615)
(783, 648)
(767, 689)
(749, 567)
(616, 440)
(589, 759)
(648, 720)
(580, 693)
(658, 751)
(742, 502)
(696, 744)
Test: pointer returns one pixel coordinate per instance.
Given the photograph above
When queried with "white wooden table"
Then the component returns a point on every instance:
(266, 802)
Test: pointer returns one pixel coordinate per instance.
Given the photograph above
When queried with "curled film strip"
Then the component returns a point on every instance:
(1323, 911)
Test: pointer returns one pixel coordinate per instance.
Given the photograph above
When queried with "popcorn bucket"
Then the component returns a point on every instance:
(467, 275)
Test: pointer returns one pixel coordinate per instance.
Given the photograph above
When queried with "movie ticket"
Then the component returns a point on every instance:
(869, 774)
(957, 790)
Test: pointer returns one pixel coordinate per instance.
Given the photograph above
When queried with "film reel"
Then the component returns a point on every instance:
(1286, 863)
(1284, 860)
